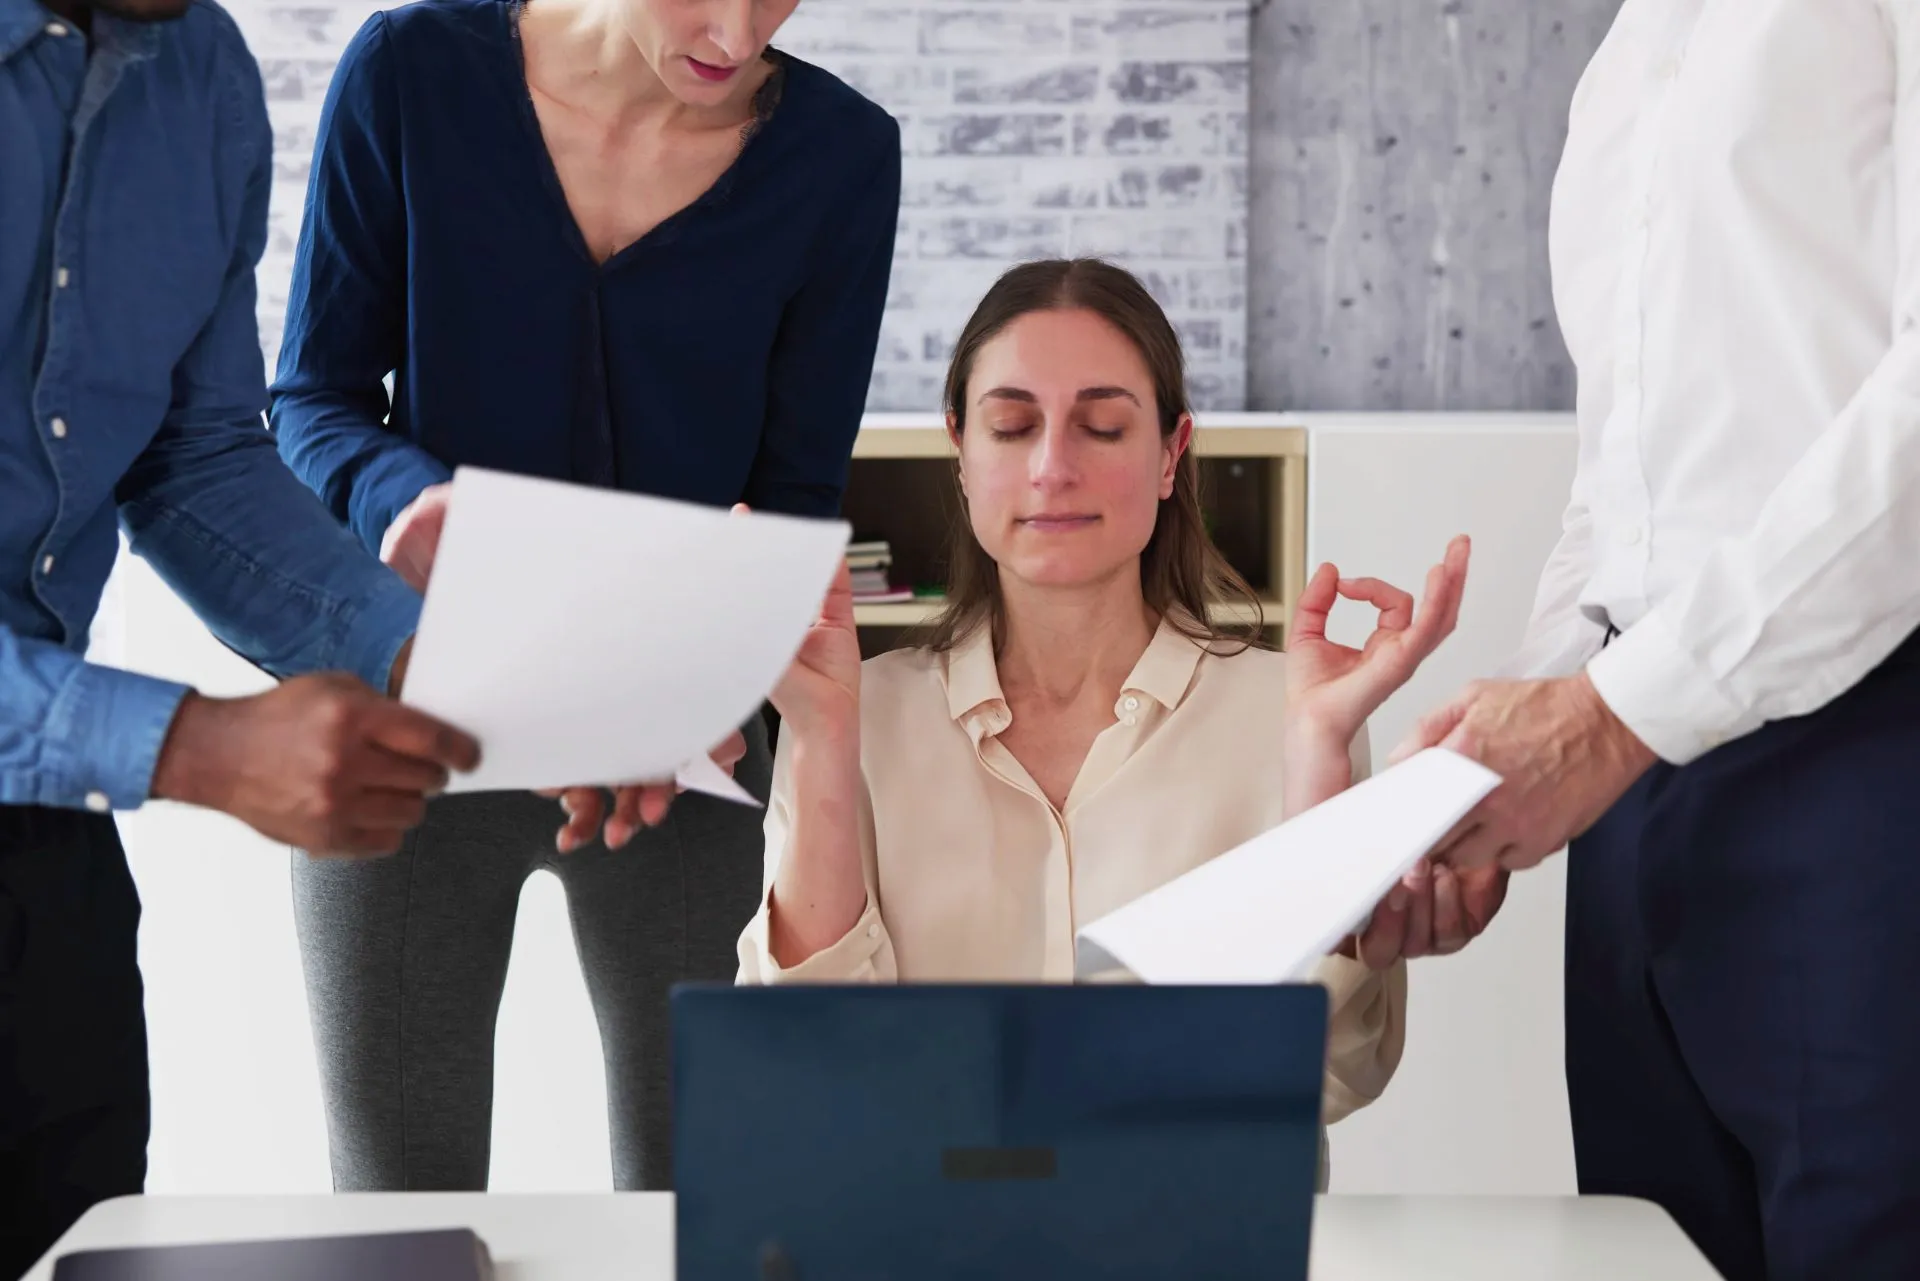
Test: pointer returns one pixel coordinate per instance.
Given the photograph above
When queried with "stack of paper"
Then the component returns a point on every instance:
(1269, 910)
(577, 632)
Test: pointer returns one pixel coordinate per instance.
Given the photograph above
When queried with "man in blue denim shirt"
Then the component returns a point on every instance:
(134, 169)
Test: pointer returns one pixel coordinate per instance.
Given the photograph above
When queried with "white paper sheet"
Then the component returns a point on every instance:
(1268, 910)
(701, 775)
(587, 636)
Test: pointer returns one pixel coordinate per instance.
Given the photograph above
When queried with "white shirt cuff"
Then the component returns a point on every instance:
(1661, 693)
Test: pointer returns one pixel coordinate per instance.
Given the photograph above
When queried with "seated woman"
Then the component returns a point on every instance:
(1074, 732)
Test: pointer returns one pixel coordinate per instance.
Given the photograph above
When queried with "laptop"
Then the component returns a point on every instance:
(1007, 1132)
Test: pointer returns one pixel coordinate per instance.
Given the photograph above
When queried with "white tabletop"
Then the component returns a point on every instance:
(615, 1237)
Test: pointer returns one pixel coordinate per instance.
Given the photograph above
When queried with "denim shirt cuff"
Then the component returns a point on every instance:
(382, 624)
(108, 727)
(387, 487)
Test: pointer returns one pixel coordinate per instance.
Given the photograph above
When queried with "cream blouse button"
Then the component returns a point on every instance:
(873, 931)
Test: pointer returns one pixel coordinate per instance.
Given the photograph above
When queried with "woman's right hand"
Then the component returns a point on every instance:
(820, 693)
(413, 539)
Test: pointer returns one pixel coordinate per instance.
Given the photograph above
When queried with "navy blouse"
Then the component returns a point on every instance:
(723, 357)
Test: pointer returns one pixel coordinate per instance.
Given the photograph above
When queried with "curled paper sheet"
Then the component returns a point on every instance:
(1268, 910)
(586, 635)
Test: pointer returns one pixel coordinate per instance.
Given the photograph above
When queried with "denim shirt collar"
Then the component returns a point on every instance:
(22, 20)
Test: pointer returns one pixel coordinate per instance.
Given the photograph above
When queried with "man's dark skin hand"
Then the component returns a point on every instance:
(322, 762)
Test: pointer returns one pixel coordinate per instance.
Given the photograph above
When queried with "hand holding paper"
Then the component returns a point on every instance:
(1269, 910)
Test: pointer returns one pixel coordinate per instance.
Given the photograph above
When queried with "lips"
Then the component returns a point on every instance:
(1058, 522)
(708, 72)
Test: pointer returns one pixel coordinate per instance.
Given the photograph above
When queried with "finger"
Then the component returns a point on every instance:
(585, 806)
(1519, 858)
(384, 809)
(1479, 848)
(1381, 945)
(1419, 936)
(1395, 605)
(655, 800)
(1451, 929)
(740, 509)
(731, 752)
(1440, 608)
(387, 770)
(1432, 729)
(1481, 894)
(1459, 553)
(400, 728)
(1315, 602)
(625, 820)
(837, 609)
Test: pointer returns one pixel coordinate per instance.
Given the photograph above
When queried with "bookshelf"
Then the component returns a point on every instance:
(1253, 481)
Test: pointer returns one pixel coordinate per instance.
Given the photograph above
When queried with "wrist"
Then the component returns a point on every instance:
(189, 770)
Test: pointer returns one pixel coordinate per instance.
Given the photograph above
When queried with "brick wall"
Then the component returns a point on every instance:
(1032, 128)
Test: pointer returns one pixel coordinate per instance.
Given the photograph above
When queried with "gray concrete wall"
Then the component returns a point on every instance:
(1402, 156)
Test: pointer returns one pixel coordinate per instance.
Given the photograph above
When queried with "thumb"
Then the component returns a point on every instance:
(1431, 731)
(740, 509)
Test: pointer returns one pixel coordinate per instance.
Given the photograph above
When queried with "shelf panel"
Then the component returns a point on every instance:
(914, 613)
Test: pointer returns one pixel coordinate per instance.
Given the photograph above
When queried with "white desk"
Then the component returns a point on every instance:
(611, 1237)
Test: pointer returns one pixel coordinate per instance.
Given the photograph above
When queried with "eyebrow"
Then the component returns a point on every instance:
(1085, 393)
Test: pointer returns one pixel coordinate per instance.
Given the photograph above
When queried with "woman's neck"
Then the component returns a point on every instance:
(583, 53)
(1065, 644)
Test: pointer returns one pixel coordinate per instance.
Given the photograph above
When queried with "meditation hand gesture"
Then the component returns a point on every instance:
(1332, 689)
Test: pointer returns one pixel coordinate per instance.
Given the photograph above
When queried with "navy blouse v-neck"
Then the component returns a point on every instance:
(723, 357)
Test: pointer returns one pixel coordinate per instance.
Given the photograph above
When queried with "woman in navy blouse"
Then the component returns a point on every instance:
(617, 242)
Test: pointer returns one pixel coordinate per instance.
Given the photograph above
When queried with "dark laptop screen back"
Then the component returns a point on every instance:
(1053, 1132)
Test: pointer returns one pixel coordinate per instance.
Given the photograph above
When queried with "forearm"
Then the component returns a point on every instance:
(341, 449)
(274, 577)
(1317, 765)
(819, 891)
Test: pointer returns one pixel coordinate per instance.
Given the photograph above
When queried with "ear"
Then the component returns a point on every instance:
(953, 438)
(1177, 444)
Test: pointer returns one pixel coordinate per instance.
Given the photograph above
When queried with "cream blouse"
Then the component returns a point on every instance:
(973, 876)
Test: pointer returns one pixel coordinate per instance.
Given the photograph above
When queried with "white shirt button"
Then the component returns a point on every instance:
(60, 278)
(56, 28)
(46, 566)
(59, 428)
(98, 802)
(1131, 703)
(1632, 535)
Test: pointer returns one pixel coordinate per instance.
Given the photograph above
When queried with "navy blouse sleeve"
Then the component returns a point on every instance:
(346, 313)
(823, 354)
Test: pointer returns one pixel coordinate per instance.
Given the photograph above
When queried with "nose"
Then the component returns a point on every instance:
(1054, 465)
(731, 28)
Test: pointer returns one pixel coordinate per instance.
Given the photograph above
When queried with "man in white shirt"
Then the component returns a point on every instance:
(1722, 709)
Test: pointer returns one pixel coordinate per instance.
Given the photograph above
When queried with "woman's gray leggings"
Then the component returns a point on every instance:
(405, 959)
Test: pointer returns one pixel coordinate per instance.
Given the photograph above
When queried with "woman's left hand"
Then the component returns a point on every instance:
(1334, 688)
(634, 807)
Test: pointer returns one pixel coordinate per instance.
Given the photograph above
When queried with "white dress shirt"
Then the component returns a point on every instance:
(1735, 241)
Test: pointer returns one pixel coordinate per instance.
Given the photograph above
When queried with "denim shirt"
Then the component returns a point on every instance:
(134, 173)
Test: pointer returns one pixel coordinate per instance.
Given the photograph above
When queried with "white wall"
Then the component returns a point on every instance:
(1479, 1104)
